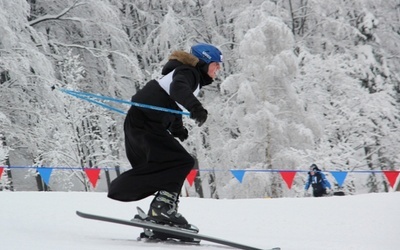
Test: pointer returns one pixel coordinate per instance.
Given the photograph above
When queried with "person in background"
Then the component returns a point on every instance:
(317, 180)
(159, 162)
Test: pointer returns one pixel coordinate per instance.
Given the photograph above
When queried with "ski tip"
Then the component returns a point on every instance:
(276, 248)
(81, 214)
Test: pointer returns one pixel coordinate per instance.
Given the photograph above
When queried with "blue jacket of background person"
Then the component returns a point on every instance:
(316, 179)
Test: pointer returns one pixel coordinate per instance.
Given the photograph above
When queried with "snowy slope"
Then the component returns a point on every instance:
(33, 220)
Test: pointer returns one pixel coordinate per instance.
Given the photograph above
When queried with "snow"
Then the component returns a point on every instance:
(47, 220)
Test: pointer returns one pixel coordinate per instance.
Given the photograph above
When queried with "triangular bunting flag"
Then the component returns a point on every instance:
(1, 171)
(391, 176)
(45, 174)
(238, 174)
(93, 175)
(288, 177)
(191, 176)
(340, 176)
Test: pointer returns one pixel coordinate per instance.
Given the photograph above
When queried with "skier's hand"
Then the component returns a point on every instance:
(327, 191)
(182, 134)
(199, 114)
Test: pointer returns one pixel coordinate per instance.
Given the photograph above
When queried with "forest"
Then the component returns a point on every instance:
(302, 82)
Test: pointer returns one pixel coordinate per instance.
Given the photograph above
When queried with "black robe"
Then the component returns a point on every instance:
(158, 160)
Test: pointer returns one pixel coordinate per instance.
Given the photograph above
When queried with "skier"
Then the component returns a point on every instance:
(318, 181)
(159, 162)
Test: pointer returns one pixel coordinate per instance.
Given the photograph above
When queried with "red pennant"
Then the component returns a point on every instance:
(93, 175)
(1, 171)
(288, 177)
(391, 176)
(191, 176)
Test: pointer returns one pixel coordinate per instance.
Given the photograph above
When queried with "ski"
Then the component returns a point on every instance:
(168, 230)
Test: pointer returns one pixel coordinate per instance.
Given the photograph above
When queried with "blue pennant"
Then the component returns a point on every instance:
(238, 174)
(45, 174)
(340, 176)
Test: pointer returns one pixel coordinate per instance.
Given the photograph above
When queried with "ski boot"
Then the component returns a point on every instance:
(163, 210)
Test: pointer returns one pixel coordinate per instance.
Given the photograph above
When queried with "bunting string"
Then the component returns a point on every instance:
(239, 174)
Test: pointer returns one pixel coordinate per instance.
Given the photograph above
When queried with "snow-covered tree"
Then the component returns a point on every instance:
(302, 82)
(351, 85)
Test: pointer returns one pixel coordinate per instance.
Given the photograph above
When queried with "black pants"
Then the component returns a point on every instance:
(318, 190)
(159, 162)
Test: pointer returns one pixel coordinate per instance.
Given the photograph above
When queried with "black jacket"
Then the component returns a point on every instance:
(189, 74)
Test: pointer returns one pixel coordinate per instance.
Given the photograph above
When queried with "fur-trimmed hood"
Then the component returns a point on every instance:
(184, 58)
(178, 58)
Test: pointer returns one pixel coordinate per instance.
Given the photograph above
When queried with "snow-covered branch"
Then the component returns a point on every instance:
(58, 16)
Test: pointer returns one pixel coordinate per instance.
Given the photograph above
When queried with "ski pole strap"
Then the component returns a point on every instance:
(88, 97)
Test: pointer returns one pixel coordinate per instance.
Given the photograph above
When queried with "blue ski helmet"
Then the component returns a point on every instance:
(206, 52)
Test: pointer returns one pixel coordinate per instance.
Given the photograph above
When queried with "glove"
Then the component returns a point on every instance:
(327, 191)
(199, 114)
(182, 134)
